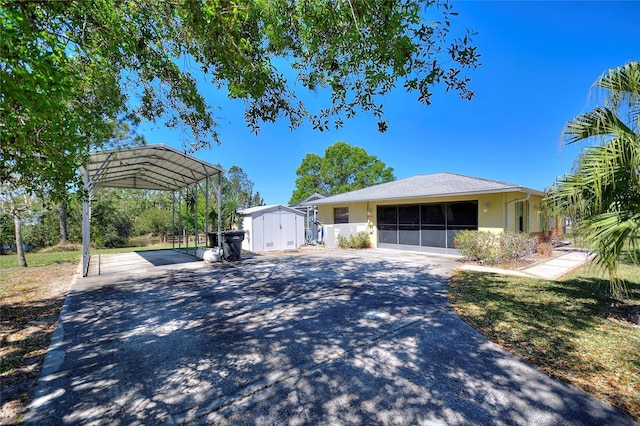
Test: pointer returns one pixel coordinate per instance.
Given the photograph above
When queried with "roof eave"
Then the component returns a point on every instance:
(449, 194)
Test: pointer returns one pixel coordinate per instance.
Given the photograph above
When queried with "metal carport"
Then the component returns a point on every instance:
(148, 167)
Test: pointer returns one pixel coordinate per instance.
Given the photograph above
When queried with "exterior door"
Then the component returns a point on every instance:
(287, 231)
(522, 216)
(271, 231)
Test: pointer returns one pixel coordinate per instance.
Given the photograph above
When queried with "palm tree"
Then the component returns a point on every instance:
(603, 192)
(230, 212)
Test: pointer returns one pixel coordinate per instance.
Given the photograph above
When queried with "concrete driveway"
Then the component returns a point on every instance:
(346, 337)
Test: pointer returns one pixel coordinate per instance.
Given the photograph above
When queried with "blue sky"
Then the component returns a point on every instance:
(539, 60)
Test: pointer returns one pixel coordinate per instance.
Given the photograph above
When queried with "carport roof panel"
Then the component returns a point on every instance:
(155, 167)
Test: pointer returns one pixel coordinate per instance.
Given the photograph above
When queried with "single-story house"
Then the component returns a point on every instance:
(424, 212)
(272, 228)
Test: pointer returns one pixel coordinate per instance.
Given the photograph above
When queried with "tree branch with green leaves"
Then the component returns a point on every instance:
(71, 69)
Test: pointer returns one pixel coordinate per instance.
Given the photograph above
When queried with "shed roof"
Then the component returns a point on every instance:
(156, 167)
(429, 185)
(264, 209)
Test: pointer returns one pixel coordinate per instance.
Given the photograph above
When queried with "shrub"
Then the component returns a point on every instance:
(477, 245)
(110, 227)
(153, 221)
(359, 240)
(488, 247)
(517, 245)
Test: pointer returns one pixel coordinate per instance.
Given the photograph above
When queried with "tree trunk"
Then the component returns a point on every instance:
(64, 236)
(22, 260)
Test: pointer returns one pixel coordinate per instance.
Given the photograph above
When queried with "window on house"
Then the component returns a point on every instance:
(341, 215)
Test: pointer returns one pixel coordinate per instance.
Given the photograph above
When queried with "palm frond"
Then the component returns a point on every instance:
(599, 122)
(603, 192)
(610, 237)
(603, 175)
(623, 86)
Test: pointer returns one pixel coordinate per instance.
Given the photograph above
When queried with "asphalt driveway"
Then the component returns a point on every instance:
(348, 337)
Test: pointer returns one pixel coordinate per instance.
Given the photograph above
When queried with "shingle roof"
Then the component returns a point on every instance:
(430, 185)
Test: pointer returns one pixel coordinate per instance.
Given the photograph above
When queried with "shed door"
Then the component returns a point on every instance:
(288, 231)
(271, 232)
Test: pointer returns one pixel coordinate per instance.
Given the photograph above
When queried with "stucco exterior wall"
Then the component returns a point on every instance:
(357, 222)
(534, 202)
(357, 212)
(345, 229)
(491, 213)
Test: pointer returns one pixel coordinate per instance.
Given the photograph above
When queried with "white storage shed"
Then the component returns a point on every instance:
(272, 228)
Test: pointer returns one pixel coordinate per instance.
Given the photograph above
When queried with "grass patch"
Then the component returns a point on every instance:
(567, 328)
(40, 259)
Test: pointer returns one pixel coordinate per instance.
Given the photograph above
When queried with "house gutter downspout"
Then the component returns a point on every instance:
(506, 209)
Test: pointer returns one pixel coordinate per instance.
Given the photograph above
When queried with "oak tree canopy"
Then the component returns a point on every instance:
(73, 73)
(342, 168)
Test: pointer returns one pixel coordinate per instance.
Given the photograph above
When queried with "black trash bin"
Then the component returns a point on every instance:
(232, 244)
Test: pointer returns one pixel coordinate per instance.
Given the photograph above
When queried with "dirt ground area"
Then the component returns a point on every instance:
(30, 302)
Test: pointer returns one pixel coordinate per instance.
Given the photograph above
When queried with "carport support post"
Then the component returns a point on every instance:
(173, 219)
(219, 196)
(195, 216)
(186, 217)
(86, 218)
(206, 210)
(180, 230)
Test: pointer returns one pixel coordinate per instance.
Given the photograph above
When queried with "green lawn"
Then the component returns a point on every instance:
(40, 259)
(570, 329)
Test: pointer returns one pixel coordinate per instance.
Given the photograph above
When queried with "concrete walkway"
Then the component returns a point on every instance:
(562, 263)
(350, 337)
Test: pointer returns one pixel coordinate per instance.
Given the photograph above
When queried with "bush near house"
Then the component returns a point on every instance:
(359, 240)
(514, 246)
(477, 245)
(487, 247)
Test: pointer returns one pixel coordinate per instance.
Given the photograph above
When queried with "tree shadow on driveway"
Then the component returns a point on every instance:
(288, 339)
